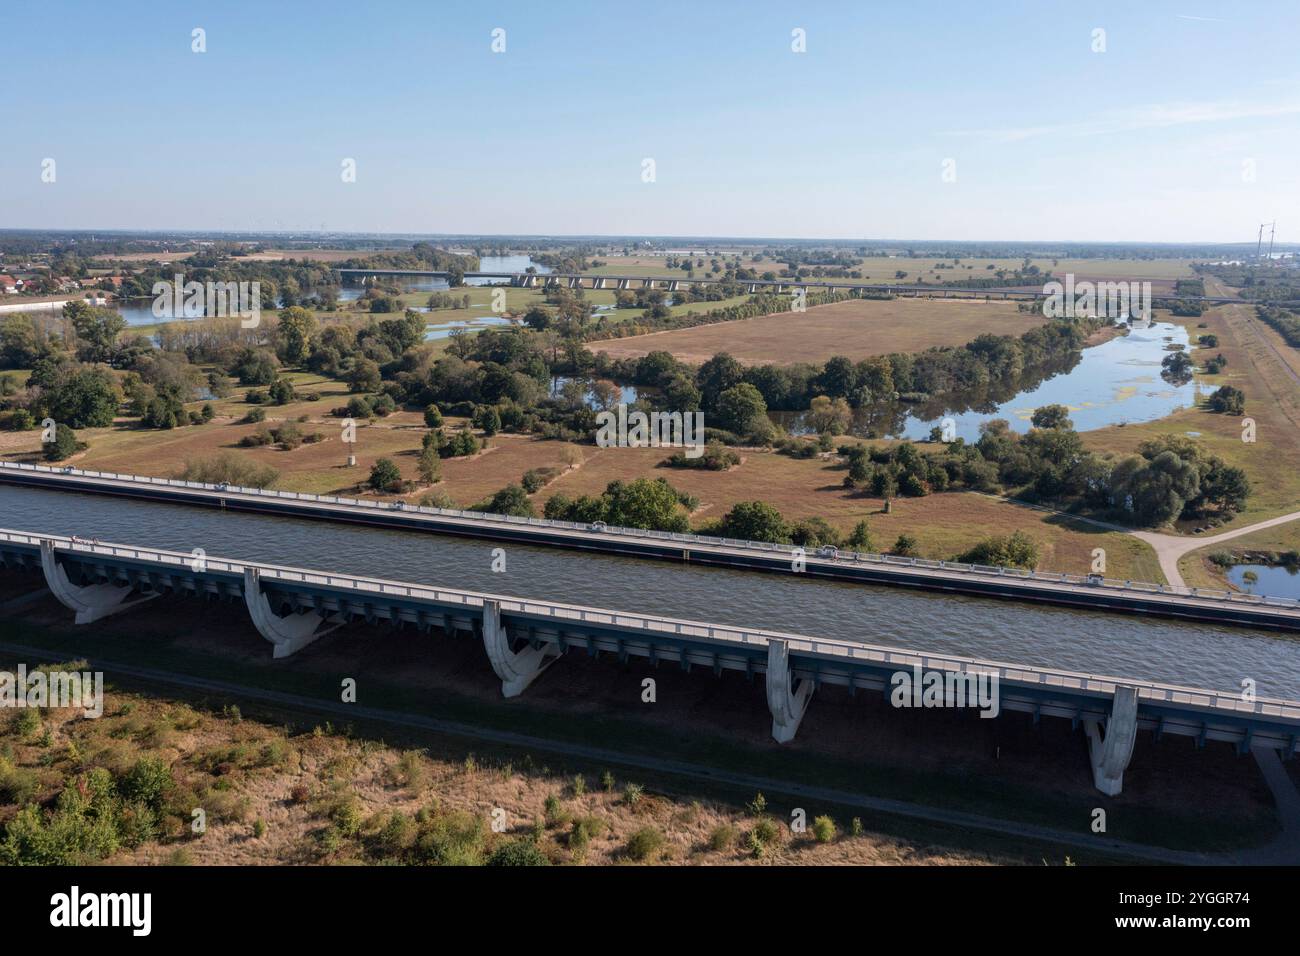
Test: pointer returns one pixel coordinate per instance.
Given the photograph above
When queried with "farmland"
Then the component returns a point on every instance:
(885, 269)
(856, 328)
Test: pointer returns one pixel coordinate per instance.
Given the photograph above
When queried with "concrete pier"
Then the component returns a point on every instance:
(787, 697)
(1110, 756)
(319, 601)
(288, 634)
(516, 669)
(88, 603)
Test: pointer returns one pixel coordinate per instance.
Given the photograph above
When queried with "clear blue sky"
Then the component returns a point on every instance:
(1146, 141)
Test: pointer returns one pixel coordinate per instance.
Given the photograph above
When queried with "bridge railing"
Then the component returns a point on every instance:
(837, 558)
(827, 650)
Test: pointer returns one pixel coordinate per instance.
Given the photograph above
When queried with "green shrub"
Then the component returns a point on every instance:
(384, 476)
(487, 419)
(460, 444)
(288, 435)
(535, 479)
(26, 722)
(281, 392)
(905, 546)
(451, 839)
(1016, 550)
(346, 817)
(823, 829)
(229, 467)
(64, 445)
(723, 837)
(18, 786)
(262, 436)
(148, 781)
(1228, 400)
(358, 407)
(518, 853)
(645, 844)
(555, 814)
(510, 500)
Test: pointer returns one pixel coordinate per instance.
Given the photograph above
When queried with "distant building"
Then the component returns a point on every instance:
(8, 285)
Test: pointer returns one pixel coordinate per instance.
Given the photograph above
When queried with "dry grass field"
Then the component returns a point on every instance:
(143, 257)
(856, 328)
(317, 468)
(943, 524)
(885, 270)
(314, 795)
(319, 255)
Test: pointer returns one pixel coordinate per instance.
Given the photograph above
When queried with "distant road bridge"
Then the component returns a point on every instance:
(294, 607)
(587, 280)
(1089, 592)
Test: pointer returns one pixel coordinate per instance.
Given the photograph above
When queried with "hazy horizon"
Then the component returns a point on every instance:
(200, 233)
(985, 125)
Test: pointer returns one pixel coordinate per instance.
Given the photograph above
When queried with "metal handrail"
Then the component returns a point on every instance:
(843, 558)
(821, 647)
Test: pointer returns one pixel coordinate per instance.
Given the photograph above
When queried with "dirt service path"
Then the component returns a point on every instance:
(1170, 548)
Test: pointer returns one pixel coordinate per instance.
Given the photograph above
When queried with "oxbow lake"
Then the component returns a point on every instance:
(1117, 382)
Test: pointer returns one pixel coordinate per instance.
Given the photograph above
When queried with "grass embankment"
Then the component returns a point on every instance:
(1006, 768)
(282, 793)
(278, 792)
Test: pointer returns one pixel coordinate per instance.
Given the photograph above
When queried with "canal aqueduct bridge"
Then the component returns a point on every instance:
(1071, 590)
(293, 607)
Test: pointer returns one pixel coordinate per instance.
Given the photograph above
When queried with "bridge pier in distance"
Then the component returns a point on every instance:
(517, 669)
(786, 701)
(288, 634)
(89, 603)
(1110, 756)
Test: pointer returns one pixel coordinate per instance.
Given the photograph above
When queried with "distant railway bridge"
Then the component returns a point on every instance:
(588, 280)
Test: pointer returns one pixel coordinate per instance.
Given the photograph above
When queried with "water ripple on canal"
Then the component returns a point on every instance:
(1199, 655)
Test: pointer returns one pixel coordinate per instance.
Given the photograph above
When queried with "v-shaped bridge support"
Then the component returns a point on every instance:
(90, 602)
(288, 634)
(517, 669)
